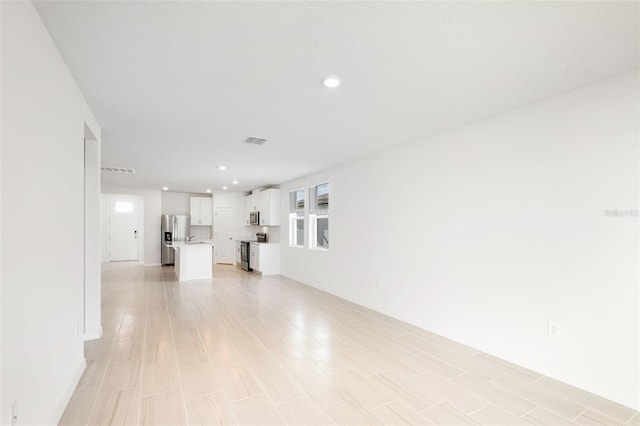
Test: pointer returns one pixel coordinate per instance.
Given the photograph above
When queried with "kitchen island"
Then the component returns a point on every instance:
(193, 260)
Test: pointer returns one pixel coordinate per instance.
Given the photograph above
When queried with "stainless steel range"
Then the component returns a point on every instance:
(244, 255)
(245, 258)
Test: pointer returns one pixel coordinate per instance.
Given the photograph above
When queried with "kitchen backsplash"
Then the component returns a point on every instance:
(201, 232)
(273, 233)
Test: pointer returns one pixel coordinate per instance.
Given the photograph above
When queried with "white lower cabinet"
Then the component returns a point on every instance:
(254, 257)
(265, 258)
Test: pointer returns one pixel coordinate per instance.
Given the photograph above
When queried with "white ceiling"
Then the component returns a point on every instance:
(177, 86)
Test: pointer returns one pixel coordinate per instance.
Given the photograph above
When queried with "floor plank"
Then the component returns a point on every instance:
(246, 349)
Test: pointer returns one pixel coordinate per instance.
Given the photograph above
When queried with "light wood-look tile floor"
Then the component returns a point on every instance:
(251, 350)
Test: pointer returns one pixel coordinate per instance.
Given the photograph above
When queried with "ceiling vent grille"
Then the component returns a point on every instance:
(118, 170)
(255, 141)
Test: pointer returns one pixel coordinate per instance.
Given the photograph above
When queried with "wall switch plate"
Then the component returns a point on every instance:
(552, 329)
(13, 412)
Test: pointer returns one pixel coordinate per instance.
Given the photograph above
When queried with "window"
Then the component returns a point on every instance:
(124, 207)
(296, 218)
(319, 216)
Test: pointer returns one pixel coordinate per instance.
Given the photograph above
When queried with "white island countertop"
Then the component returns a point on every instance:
(190, 243)
(194, 260)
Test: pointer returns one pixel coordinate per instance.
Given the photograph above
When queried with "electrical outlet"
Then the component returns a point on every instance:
(552, 329)
(13, 412)
(378, 284)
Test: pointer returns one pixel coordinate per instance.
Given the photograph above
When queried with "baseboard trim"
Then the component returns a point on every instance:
(94, 334)
(57, 415)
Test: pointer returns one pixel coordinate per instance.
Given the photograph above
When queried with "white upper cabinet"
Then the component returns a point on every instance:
(270, 207)
(254, 202)
(201, 211)
(266, 202)
(248, 208)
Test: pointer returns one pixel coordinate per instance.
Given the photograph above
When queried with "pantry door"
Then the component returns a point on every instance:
(223, 232)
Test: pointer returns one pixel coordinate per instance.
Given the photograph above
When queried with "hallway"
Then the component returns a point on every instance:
(245, 349)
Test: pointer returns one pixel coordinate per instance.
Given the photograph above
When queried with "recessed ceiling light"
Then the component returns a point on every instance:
(222, 167)
(235, 182)
(332, 81)
(208, 191)
(225, 188)
(164, 188)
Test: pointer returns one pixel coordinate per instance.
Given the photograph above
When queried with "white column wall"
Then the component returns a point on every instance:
(42, 220)
(92, 288)
(485, 232)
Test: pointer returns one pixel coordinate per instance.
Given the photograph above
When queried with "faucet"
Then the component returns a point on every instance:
(190, 238)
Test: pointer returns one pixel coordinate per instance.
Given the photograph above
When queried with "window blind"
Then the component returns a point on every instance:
(319, 199)
(296, 201)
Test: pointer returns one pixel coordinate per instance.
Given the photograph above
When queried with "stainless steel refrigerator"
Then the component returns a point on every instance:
(174, 228)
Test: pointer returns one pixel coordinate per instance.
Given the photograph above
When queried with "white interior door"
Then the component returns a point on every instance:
(223, 235)
(123, 228)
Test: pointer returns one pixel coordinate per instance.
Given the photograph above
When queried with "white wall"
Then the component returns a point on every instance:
(176, 202)
(152, 206)
(42, 241)
(2, 182)
(92, 238)
(104, 227)
(179, 203)
(485, 232)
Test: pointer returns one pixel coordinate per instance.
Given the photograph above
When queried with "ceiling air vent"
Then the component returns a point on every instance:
(255, 141)
(118, 170)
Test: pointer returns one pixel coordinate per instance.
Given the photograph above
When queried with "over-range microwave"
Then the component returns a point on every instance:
(254, 218)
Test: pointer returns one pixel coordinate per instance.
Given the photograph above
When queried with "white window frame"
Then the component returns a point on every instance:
(293, 220)
(313, 230)
(314, 217)
(124, 206)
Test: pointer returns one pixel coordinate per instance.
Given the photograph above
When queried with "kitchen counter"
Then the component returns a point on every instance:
(264, 258)
(255, 242)
(193, 261)
(190, 243)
